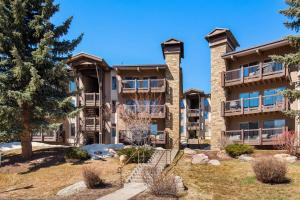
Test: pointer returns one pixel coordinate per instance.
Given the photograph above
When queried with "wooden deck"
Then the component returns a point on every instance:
(261, 136)
(254, 74)
(143, 86)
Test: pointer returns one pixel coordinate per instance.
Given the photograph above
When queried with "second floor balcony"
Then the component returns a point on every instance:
(193, 126)
(260, 104)
(254, 73)
(193, 112)
(154, 111)
(146, 85)
(90, 124)
(89, 99)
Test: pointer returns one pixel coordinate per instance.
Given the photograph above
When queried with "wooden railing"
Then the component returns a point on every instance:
(193, 112)
(155, 111)
(147, 85)
(253, 73)
(91, 124)
(48, 136)
(159, 137)
(193, 125)
(268, 103)
(261, 136)
(90, 99)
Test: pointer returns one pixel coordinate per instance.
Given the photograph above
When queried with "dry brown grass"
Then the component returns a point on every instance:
(234, 179)
(45, 181)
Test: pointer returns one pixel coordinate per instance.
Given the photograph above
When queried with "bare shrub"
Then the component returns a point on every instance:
(91, 178)
(270, 170)
(287, 141)
(159, 184)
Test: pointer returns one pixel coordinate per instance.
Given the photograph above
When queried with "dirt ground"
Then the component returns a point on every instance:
(47, 172)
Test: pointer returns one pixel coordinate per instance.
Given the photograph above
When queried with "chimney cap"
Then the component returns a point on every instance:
(219, 33)
(172, 42)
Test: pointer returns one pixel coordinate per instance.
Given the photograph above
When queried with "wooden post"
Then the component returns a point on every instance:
(260, 70)
(149, 84)
(242, 105)
(260, 103)
(242, 74)
(223, 79)
(260, 136)
(242, 136)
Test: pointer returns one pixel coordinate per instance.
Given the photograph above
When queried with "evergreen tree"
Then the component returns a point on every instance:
(33, 74)
(292, 60)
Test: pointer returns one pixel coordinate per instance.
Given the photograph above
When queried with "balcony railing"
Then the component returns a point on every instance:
(147, 85)
(90, 124)
(261, 136)
(158, 137)
(90, 99)
(268, 103)
(48, 136)
(193, 112)
(193, 125)
(261, 71)
(155, 111)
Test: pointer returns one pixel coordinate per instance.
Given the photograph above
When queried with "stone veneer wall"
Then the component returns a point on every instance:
(173, 97)
(217, 123)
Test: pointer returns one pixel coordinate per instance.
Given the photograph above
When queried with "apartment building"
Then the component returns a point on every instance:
(195, 111)
(246, 106)
(105, 91)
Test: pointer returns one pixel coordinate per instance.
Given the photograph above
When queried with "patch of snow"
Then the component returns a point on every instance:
(98, 151)
(17, 145)
(72, 189)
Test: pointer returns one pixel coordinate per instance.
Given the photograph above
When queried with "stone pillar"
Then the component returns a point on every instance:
(173, 52)
(220, 41)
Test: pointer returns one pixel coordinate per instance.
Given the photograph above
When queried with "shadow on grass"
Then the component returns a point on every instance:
(41, 158)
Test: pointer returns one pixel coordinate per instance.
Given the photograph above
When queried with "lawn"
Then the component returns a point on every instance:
(47, 173)
(234, 179)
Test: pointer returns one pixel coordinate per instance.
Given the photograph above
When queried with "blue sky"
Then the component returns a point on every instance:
(130, 31)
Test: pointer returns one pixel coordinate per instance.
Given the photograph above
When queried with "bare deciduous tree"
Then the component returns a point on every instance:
(287, 141)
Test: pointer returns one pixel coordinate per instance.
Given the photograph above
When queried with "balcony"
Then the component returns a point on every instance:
(144, 86)
(159, 137)
(254, 74)
(261, 136)
(91, 99)
(193, 112)
(260, 104)
(155, 111)
(193, 126)
(48, 136)
(90, 124)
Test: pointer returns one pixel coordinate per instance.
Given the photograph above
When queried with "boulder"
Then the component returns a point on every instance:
(222, 155)
(123, 159)
(189, 151)
(179, 184)
(72, 189)
(128, 147)
(285, 157)
(214, 162)
(245, 158)
(199, 159)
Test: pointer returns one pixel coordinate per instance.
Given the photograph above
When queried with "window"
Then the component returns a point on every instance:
(270, 97)
(113, 130)
(181, 104)
(72, 86)
(72, 129)
(114, 83)
(181, 130)
(277, 123)
(248, 125)
(153, 128)
(113, 106)
(250, 99)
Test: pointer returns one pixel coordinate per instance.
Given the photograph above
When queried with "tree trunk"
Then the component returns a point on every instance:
(26, 134)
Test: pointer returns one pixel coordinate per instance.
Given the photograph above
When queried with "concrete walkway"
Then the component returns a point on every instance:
(128, 191)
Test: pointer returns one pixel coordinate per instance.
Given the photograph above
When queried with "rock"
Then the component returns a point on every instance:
(128, 147)
(189, 151)
(112, 151)
(285, 157)
(199, 159)
(72, 189)
(179, 184)
(214, 162)
(123, 159)
(245, 158)
(159, 148)
(222, 155)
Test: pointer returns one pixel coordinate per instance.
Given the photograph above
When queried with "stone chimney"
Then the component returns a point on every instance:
(173, 52)
(220, 41)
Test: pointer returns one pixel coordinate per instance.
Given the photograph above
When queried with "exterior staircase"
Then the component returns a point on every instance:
(160, 159)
